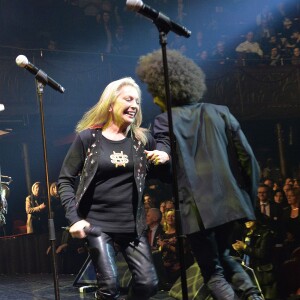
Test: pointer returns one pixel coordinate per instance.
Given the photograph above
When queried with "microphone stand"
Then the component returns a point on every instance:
(163, 28)
(40, 91)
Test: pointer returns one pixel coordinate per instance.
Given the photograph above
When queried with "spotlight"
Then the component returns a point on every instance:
(2, 107)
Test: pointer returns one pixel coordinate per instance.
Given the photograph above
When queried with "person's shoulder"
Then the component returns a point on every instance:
(215, 107)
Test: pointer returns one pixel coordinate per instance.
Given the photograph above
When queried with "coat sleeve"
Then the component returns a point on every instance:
(162, 172)
(71, 169)
(246, 158)
(29, 208)
(161, 133)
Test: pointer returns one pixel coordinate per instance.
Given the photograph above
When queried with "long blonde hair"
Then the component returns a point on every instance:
(99, 113)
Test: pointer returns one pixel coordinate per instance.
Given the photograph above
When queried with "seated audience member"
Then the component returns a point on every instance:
(295, 61)
(155, 230)
(280, 198)
(266, 209)
(296, 183)
(36, 211)
(168, 245)
(275, 58)
(220, 55)
(291, 223)
(169, 205)
(269, 182)
(289, 180)
(249, 50)
(256, 251)
(287, 187)
(285, 50)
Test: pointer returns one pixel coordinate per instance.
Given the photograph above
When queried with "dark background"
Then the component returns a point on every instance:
(64, 39)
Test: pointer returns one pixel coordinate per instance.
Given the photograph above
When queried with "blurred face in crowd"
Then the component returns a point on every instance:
(249, 224)
(297, 52)
(249, 36)
(169, 205)
(274, 52)
(170, 217)
(151, 217)
(292, 198)
(262, 194)
(286, 188)
(269, 183)
(162, 207)
(278, 197)
(36, 190)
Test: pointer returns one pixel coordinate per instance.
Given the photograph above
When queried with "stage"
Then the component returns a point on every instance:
(41, 286)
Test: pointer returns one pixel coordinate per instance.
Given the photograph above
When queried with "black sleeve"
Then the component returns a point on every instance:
(161, 133)
(71, 168)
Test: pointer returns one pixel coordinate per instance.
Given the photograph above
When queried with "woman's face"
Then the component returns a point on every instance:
(162, 207)
(35, 190)
(170, 217)
(249, 224)
(291, 198)
(126, 106)
(278, 197)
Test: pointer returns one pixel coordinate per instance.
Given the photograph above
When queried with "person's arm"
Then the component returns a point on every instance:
(246, 157)
(161, 133)
(160, 164)
(33, 209)
(71, 168)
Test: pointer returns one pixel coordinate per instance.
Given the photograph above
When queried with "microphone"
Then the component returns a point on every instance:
(23, 62)
(156, 17)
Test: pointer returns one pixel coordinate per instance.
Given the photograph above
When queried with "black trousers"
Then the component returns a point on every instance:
(137, 254)
(223, 275)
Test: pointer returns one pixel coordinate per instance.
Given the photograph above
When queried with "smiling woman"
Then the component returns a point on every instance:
(113, 154)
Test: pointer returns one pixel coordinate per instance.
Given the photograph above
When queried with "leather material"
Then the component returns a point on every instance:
(138, 256)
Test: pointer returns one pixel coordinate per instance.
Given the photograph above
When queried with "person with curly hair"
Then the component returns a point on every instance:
(217, 170)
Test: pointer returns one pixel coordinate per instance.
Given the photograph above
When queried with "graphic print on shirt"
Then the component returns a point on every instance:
(119, 159)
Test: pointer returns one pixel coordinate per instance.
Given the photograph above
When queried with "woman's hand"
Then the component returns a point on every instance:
(77, 229)
(157, 157)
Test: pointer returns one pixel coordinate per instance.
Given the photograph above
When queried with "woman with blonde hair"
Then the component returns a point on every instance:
(35, 209)
(113, 155)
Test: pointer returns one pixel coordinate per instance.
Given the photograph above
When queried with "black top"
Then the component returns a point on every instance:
(114, 198)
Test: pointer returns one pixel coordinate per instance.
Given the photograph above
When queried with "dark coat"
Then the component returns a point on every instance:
(209, 193)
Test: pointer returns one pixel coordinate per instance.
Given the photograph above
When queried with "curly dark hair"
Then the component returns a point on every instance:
(187, 80)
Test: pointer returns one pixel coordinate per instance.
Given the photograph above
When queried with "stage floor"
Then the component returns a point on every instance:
(41, 286)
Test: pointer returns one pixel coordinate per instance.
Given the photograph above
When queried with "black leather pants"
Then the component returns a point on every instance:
(138, 256)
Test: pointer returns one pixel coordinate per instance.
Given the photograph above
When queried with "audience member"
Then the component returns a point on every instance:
(220, 55)
(249, 50)
(58, 211)
(275, 58)
(287, 187)
(291, 222)
(256, 250)
(266, 209)
(295, 61)
(168, 245)
(36, 211)
(155, 229)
